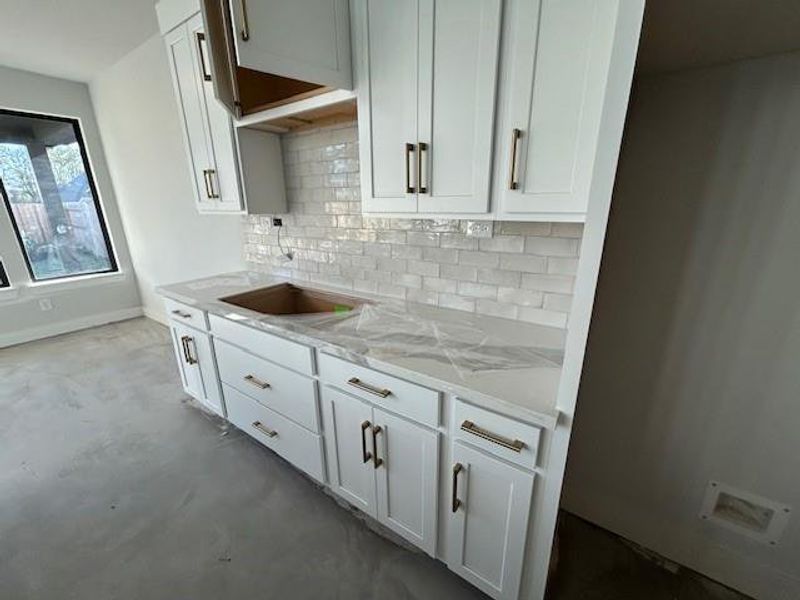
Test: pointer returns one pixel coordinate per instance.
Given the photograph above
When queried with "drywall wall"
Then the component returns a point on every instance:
(526, 271)
(169, 240)
(103, 299)
(691, 370)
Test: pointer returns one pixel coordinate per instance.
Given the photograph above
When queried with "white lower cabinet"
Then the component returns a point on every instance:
(384, 465)
(197, 365)
(489, 510)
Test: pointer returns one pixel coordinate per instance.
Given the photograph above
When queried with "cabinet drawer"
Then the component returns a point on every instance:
(399, 396)
(512, 440)
(289, 393)
(186, 314)
(297, 445)
(272, 347)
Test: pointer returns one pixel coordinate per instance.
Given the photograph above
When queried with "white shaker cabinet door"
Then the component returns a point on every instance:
(458, 61)
(222, 178)
(308, 40)
(386, 80)
(191, 106)
(557, 67)
(348, 444)
(489, 511)
(407, 482)
(197, 365)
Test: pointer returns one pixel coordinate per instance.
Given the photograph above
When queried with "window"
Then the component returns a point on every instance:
(4, 283)
(49, 191)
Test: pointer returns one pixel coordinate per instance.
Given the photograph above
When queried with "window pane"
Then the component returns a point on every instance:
(50, 194)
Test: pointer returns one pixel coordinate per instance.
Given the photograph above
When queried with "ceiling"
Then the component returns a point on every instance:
(682, 34)
(76, 39)
(73, 39)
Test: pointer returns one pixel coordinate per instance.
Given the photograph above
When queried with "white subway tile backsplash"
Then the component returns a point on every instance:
(526, 271)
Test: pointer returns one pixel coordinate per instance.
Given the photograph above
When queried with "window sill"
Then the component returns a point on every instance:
(43, 288)
(9, 294)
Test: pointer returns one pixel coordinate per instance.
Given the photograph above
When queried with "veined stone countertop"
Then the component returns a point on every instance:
(503, 365)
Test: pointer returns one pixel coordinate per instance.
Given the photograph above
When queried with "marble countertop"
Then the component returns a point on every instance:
(507, 366)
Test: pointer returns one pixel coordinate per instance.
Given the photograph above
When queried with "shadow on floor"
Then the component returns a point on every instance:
(595, 564)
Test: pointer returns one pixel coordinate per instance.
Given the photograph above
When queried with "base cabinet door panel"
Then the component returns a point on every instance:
(348, 442)
(489, 520)
(406, 479)
(197, 365)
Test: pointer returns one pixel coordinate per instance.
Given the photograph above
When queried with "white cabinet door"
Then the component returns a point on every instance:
(222, 178)
(559, 59)
(191, 106)
(307, 40)
(348, 444)
(406, 478)
(488, 527)
(386, 75)
(458, 54)
(197, 365)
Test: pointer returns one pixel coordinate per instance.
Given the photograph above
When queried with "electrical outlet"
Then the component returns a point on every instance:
(45, 304)
(480, 229)
(277, 222)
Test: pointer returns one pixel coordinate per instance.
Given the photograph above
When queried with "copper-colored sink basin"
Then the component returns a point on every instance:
(289, 299)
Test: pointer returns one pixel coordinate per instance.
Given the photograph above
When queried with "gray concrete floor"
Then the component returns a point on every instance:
(113, 485)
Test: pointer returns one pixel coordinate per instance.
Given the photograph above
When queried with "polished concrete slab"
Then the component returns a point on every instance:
(114, 485)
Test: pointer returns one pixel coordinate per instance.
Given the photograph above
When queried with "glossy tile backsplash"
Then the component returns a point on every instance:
(525, 271)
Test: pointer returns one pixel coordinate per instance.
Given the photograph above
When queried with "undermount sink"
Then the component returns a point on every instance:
(289, 299)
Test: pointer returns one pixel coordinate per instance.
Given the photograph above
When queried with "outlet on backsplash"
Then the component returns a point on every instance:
(515, 270)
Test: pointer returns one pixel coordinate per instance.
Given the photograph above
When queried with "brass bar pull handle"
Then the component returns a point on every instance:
(513, 183)
(409, 188)
(456, 503)
(514, 445)
(357, 383)
(206, 181)
(212, 193)
(376, 462)
(256, 382)
(187, 353)
(423, 189)
(365, 454)
(192, 356)
(201, 38)
(181, 314)
(265, 430)
(185, 349)
(245, 22)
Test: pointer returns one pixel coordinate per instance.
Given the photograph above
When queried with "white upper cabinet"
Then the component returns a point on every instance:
(301, 39)
(555, 75)
(426, 78)
(266, 53)
(459, 46)
(233, 170)
(386, 81)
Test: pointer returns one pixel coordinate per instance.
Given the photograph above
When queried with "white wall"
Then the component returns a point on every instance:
(74, 306)
(138, 117)
(692, 365)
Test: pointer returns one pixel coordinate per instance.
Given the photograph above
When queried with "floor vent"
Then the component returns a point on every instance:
(756, 517)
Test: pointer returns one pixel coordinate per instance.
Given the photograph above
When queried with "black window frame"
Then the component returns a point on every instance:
(4, 281)
(101, 216)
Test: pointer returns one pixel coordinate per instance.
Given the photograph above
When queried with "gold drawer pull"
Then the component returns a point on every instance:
(357, 383)
(470, 427)
(255, 381)
(181, 314)
(456, 503)
(266, 431)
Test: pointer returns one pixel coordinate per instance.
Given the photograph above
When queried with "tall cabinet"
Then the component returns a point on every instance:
(208, 130)
(426, 77)
(234, 170)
